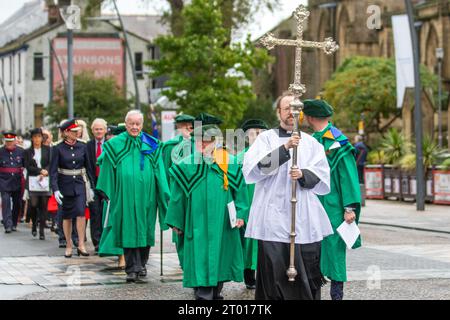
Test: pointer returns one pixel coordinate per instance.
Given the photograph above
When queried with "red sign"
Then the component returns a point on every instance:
(374, 183)
(441, 186)
(102, 56)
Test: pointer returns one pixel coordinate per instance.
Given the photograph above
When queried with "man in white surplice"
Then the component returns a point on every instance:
(267, 164)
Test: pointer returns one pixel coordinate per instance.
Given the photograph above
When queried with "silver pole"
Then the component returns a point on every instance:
(70, 73)
(420, 175)
(133, 70)
(11, 118)
(440, 104)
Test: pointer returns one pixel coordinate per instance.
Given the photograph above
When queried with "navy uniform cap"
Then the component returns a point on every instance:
(9, 136)
(71, 125)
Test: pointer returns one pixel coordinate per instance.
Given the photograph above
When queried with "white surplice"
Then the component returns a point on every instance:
(270, 213)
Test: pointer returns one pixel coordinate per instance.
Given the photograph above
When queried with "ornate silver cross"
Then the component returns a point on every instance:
(329, 46)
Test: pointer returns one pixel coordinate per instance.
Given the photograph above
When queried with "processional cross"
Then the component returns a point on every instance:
(329, 46)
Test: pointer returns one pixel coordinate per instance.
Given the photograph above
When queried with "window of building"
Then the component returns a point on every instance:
(38, 115)
(20, 113)
(152, 50)
(10, 70)
(138, 66)
(38, 68)
(19, 66)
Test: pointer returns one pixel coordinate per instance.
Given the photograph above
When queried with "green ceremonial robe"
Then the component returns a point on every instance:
(172, 151)
(344, 192)
(198, 207)
(250, 246)
(132, 176)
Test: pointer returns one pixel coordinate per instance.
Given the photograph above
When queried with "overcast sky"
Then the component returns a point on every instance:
(264, 21)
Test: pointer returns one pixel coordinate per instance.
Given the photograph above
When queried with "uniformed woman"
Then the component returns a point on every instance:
(72, 182)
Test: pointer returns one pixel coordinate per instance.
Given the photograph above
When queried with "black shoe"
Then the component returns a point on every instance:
(143, 273)
(132, 277)
(22, 220)
(8, 231)
(251, 286)
(34, 233)
(62, 244)
(14, 229)
(75, 243)
(68, 255)
(41, 237)
(96, 248)
(82, 253)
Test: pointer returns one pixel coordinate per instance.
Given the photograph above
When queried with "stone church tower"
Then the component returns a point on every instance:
(351, 24)
(347, 22)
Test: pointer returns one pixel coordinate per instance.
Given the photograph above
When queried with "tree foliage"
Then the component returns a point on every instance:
(94, 98)
(205, 72)
(366, 85)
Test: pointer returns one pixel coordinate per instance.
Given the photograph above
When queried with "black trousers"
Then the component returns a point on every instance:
(209, 293)
(10, 215)
(273, 261)
(337, 290)
(38, 212)
(136, 259)
(96, 209)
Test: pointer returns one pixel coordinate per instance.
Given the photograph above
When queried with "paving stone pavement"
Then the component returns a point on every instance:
(392, 264)
(49, 272)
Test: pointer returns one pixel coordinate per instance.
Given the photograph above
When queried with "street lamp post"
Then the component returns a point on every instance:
(71, 16)
(440, 58)
(420, 175)
(130, 57)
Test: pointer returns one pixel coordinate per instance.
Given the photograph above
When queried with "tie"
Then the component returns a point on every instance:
(97, 154)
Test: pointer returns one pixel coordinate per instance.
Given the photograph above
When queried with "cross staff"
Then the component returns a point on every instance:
(329, 46)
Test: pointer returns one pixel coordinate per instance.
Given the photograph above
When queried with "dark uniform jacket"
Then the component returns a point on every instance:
(69, 157)
(11, 168)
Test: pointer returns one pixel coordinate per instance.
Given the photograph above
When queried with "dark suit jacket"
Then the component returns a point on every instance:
(31, 165)
(92, 152)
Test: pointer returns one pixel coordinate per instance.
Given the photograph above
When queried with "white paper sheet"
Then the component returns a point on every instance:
(349, 233)
(37, 185)
(232, 213)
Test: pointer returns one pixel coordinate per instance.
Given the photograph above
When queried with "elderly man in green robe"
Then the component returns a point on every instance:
(173, 151)
(343, 203)
(209, 204)
(133, 180)
(252, 128)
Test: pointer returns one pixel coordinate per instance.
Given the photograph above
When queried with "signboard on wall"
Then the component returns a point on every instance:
(167, 125)
(441, 186)
(374, 183)
(102, 56)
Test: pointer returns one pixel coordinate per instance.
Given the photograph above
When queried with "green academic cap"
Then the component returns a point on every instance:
(119, 129)
(207, 118)
(254, 124)
(317, 108)
(207, 131)
(184, 118)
